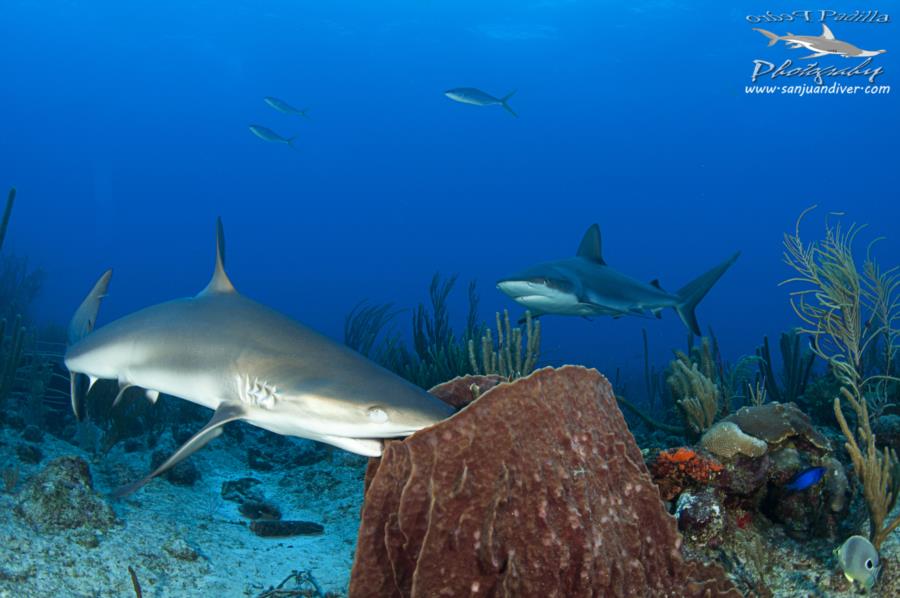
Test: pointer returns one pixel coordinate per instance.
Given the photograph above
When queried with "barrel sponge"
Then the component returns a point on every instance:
(536, 488)
(726, 439)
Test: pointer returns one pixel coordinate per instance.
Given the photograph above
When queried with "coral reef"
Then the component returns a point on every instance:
(62, 497)
(779, 424)
(535, 489)
(726, 439)
(796, 368)
(677, 469)
(849, 315)
(508, 360)
(696, 394)
(438, 353)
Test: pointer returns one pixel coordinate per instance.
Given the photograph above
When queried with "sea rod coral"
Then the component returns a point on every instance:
(848, 314)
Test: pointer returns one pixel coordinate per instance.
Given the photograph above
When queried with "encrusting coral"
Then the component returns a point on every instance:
(847, 315)
(726, 439)
(677, 469)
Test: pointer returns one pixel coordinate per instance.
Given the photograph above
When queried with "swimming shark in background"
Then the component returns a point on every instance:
(585, 286)
(476, 97)
(285, 108)
(224, 351)
(267, 134)
(820, 45)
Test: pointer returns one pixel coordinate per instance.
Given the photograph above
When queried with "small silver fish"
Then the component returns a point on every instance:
(859, 561)
(476, 97)
(285, 108)
(267, 134)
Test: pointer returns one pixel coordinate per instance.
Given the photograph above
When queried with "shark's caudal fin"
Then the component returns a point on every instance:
(81, 325)
(219, 282)
(691, 293)
(773, 39)
(227, 412)
(505, 99)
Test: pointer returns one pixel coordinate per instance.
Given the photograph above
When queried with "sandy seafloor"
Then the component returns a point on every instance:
(162, 518)
(232, 560)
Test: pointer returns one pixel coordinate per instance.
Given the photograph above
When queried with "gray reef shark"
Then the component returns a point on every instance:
(224, 351)
(476, 97)
(285, 108)
(820, 45)
(585, 286)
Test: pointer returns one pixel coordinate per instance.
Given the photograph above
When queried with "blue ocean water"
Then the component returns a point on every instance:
(124, 126)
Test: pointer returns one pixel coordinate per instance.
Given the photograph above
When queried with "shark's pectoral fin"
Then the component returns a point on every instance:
(368, 447)
(227, 412)
(123, 386)
(816, 55)
(795, 46)
(78, 392)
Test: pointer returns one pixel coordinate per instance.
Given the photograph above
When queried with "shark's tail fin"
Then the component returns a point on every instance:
(773, 39)
(81, 325)
(505, 99)
(691, 293)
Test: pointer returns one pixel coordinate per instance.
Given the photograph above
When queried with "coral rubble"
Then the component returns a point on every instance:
(62, 497)
(537, 488)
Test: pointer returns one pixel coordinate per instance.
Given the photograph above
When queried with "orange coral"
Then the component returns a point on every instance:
(676, 469)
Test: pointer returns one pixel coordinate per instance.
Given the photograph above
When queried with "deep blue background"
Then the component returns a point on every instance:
(124, 126)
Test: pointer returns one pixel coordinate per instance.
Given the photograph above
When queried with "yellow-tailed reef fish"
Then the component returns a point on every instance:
(267, 134)
(224, 351)
(285, 108)
(585, 286)
(805, 479)
(859, 561)
(820, 45)
(476, 97)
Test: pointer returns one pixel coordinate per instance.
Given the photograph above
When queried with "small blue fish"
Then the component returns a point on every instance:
(806, 478)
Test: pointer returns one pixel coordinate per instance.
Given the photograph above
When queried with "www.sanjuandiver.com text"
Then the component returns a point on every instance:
(806, 89)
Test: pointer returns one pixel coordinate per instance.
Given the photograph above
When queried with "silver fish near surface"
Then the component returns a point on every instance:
(267, 134)
(476, 97)
(285, 108)
(247, 362)
(586, 286)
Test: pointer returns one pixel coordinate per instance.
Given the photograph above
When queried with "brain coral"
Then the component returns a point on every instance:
(726, 439)
(535, 489)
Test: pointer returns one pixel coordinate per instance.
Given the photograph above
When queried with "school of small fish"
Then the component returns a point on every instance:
(463, 95)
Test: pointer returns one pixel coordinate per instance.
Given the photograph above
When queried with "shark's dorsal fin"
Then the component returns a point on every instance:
(826, 32)
(590, 246)
(220, 282)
